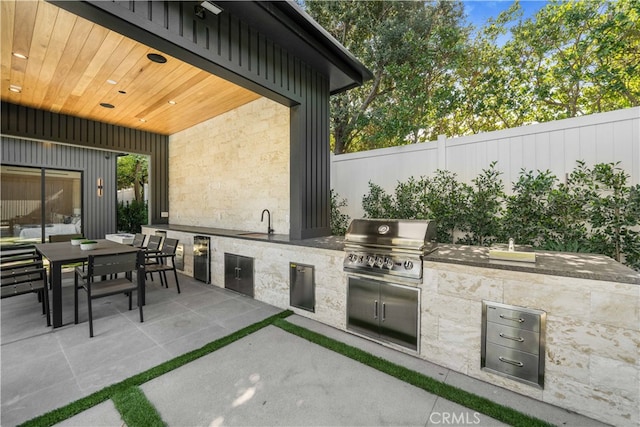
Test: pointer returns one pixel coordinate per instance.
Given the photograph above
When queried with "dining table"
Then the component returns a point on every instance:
(64, 253)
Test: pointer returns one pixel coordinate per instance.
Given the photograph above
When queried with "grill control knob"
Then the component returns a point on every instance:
(408, 265)
(353, 257)
(388, 262)
(379, 261)
(371, 261)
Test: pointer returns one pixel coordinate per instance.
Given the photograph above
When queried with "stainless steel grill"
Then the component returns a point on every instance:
(389, 248)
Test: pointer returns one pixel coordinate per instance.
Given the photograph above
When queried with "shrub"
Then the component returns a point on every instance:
(131, 216)
(483, 208)
(377, 204)
(594, 211)
(339, 220)
(527, 210)
(444, 198)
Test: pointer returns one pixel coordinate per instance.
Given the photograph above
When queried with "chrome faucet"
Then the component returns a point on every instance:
(269, 229)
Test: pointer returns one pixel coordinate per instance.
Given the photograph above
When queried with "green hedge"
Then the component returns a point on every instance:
(595, 210)
(132, 216)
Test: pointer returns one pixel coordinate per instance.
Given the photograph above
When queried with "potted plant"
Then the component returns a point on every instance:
(75, 241)
(87, 245)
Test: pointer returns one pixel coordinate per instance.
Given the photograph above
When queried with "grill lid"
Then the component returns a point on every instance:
(404, 234)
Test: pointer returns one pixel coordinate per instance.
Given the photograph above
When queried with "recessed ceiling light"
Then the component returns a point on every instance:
(172, 102)
(19, 55)
(156, 58)
(112, 82)
(15, 88)
(143, 120)
(107, 105)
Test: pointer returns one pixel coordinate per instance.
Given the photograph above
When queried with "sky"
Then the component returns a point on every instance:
(478, 11)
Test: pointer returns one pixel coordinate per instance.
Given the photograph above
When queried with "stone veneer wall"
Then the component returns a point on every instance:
(592, 363)
(225, 171)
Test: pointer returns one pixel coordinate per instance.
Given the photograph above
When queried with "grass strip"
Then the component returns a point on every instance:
(449, 392)
(57, 415)
(135, 408)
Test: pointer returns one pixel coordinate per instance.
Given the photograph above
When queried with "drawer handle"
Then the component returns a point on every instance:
(511, 362)
(515, 319)
(519, 339)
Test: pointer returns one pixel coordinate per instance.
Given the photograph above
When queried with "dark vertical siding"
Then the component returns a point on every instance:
(24, 122)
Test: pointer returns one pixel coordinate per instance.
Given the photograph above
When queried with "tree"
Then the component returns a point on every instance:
(573, 58)
(410, 48)
(133, 171)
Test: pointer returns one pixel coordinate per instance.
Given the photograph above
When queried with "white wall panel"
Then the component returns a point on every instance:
(599, 138)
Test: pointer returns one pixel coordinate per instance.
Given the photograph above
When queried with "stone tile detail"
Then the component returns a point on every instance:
(469, 285)
(564, 362)
(613, 375)
(208, 170)
(616, 309)
(556, 300)
(586, 399)
(594, 339)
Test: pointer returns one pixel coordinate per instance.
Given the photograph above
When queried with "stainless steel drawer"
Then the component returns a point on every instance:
(514, 318)
(509, 361)
(519, 339)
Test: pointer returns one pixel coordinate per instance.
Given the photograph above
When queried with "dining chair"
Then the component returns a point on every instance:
(138, 240)
(153, 247)
(166, 262)
(103, 266)
(23, 274)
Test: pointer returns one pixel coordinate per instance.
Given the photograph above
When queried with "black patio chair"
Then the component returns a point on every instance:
(166, 262)
(106, 265)
(22, 274)
(138, 240)
(153, 247)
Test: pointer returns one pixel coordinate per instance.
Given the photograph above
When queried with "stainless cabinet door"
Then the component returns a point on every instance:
(302, 287)
(399, 315)
(363, 300)
(238, 273)
(231, 272)
(245, 264)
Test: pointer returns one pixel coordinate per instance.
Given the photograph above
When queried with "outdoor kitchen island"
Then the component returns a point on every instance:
(591, 305)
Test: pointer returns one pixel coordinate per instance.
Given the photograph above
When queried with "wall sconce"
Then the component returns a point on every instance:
(100, 187)
(208, 5)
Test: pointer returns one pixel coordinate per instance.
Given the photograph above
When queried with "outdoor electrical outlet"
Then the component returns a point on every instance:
(164, 214)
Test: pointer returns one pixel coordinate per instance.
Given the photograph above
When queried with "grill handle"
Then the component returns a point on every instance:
(375, 309)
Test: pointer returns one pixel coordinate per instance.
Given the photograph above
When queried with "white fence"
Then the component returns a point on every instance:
(556, 146)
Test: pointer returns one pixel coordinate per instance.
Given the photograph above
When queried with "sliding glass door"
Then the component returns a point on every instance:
(38, 203)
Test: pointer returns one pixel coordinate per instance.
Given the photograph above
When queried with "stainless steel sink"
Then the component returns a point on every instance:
(507, 255)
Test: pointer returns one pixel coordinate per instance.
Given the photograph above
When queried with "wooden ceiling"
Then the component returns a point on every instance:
(74, 65)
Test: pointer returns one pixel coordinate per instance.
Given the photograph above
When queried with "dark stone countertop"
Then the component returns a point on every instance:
(567, 264)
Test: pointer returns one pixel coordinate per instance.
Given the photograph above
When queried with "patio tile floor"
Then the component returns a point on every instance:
(43, 368)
